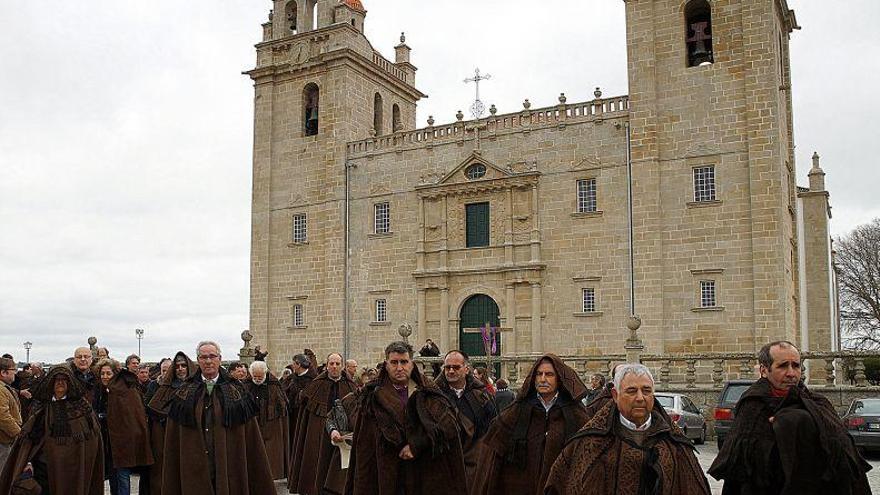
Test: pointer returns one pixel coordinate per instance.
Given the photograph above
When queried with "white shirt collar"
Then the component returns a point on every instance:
(632, 426)
(206, 379)
(303, 372)
(548, 405)
(54, 399)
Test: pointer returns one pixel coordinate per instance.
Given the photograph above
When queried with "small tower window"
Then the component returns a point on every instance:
(395, 118)
(311, 105)
(698, 32)
(377, 114)
(291, 17)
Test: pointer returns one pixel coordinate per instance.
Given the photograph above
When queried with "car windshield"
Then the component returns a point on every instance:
(734, 392)
(866, 406)
(666, 401)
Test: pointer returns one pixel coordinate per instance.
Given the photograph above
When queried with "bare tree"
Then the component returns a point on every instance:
(858, 272)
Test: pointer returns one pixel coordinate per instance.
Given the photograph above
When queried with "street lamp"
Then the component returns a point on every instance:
(139, 333)
(27, 348)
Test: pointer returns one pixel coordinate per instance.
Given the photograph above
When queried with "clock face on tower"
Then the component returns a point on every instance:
(299, 53)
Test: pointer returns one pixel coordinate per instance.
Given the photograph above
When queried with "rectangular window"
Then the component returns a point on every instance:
(381, 310)
(382, 218)
(477, 224)
(589, 299)
(704, 184)
(298, 319)
(707, 294)
(299, 227)
(586, 195)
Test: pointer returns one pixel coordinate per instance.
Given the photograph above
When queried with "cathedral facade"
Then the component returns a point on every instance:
(364, 222)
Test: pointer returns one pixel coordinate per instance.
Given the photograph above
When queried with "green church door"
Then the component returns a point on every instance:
(478, 310)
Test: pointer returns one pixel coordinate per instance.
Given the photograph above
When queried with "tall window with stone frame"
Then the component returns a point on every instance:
(708, 294)
(300, 228)
(297, 316)
(382, 218)
(588, 299)
(586, 195)
(381, 311)
(704, 184)
(477, 225)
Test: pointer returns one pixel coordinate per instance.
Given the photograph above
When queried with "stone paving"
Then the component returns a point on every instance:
(705, 454)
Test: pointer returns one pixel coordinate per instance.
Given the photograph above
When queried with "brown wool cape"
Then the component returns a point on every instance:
(158, 402)
(603, 459)
(63, 437)
(272, 418)
(749, 461)
(292, 386)
(522, 443)
(428, 424)
(127, 423)
(312, 449)
(239, 464)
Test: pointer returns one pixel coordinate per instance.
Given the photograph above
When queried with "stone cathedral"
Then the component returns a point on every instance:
(363, 222)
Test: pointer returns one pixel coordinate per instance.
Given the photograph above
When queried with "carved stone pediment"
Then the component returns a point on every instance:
(587, 163)
(476, 174)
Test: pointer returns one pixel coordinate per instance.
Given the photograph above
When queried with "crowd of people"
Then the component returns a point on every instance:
(193, 427)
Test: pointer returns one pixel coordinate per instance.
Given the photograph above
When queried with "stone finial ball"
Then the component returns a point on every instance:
(246, 336)
(633, 323)
(92, 341)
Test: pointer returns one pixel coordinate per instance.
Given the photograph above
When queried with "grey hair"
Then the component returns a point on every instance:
(208, 342)
(302, 360)
(259, 365)
(630, 369)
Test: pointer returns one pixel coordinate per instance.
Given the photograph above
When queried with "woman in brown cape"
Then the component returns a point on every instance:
(60, 445)
(522, 443)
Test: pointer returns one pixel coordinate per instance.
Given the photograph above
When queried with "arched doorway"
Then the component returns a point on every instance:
(476, 311)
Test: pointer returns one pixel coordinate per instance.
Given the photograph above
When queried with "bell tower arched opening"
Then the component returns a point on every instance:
(311, 107)
(698, 33)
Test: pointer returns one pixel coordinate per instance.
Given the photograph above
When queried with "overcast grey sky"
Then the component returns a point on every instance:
(125, 141)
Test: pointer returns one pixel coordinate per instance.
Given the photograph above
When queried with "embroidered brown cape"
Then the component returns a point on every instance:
(428, 424)
(606, 459)
(272, 418)
(524, 440)
(127, 423)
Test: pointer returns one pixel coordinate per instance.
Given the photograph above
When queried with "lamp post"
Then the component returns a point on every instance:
(139, 333)
(27, 348)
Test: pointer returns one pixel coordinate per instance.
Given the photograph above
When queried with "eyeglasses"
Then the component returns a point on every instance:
(455, 367)
(206, 357)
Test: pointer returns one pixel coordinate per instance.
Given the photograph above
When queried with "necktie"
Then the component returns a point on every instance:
(210, 385)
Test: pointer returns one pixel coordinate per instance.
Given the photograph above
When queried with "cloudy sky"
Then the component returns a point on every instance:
(125, 141)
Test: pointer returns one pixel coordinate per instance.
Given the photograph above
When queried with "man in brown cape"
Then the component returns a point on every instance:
(313, 449)
(272, 404)
(208, 437)
(60, 444)
(629, 447)
(158, 399)
(475, 405)
(786, 439)
(525, 439)
(303, 374)
(406, 435)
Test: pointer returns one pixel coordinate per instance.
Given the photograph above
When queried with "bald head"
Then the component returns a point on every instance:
(82, 359)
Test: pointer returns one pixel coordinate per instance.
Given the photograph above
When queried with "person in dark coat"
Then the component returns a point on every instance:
(82, 372)
(209, 447)
(786, 439)
(272, 404)
(525, 439)
(158, 399)
(503, 396)
(629, 447)
(60, 444)
(430, 349)
(475, 405)
(313, 449)
(303, 374)
(407, 435)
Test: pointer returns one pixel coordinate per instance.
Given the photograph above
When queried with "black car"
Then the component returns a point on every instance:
(727, 400)
(863, 421)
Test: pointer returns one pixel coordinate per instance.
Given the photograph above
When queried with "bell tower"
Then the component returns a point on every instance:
(713, 162)
(315, 82)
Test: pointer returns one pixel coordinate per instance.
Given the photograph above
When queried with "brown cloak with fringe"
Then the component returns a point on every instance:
(63, 441)
(476, 410)
(292, 386)
(522, 443)
(272, 418)
(158, 400)
(599, 401)
(749, 461)
(312, 449)
(605, 458)
(127, 423)
(209, 447)
(428, 424)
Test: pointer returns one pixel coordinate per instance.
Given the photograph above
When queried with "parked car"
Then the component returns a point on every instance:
(686, 414)
(863, 421)
(724, 411)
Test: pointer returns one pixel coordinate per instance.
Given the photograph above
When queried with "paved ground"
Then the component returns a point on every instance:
(705, 453)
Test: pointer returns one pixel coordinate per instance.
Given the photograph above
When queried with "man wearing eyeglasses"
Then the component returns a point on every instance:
(474, 403)
(209, 437)
(10, 409)
(82, 372)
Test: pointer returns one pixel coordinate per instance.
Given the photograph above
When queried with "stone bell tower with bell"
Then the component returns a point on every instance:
(318, 84)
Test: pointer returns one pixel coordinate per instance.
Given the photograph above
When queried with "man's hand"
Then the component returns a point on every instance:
(335, 437)
(26, 393)
(406, 453)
